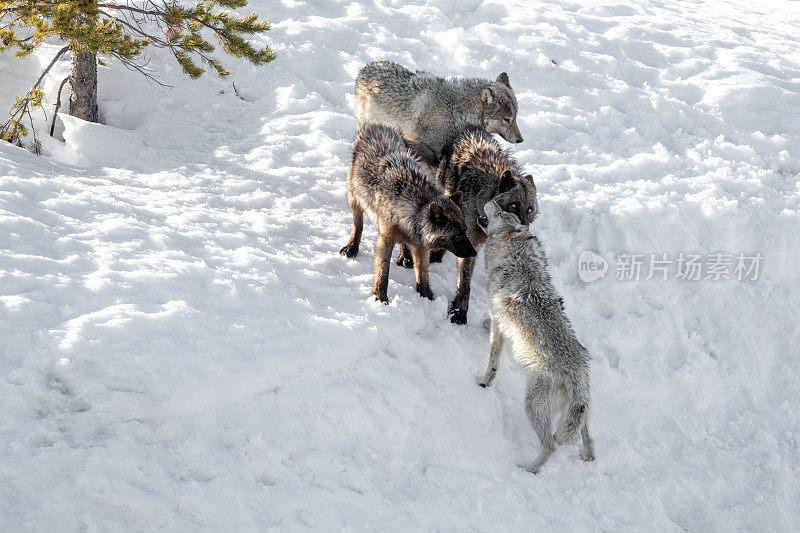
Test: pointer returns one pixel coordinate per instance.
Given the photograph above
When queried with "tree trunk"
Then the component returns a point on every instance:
(83, 83)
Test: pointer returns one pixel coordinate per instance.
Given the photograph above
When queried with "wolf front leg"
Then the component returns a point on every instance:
(587, 453)
(380, 267)
(460, 304)
(421, 255)
(497, 342)
(351, 248)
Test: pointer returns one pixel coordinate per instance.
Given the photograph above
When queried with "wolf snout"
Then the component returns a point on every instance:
(519, 140)
(465, 250)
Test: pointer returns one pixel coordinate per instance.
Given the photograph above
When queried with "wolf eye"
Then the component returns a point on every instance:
(514, 206)
(530, 209)
(507, 120)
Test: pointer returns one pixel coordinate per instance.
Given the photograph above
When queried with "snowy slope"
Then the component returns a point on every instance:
(183, 348)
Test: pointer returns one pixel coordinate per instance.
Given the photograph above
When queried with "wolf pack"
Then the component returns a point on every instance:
(431, 176)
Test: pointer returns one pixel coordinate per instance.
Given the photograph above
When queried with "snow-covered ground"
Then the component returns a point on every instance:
(181, 347)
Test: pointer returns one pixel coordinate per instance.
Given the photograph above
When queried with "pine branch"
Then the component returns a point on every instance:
(123, 30)
(13, 130)
(37, 6)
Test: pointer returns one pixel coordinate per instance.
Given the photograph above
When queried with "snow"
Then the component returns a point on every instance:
(183, 348)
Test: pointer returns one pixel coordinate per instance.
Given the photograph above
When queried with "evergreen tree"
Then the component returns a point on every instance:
(122, 30)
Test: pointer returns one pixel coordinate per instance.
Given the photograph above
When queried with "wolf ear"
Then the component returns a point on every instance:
(457, 196)
(437, 214)
(441, 171)
(506, 182)
(530, 177)
(503, 78)
(487, 96)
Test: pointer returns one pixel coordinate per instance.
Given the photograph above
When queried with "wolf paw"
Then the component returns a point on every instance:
(587, 455)
(533, 469)
(425, 291)
(458, 316)
(487, 379)
(382, 298)
(404, 261)
(349, 250)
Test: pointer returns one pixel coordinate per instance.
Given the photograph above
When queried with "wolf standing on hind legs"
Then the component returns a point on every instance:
(402, 199)
(526, 310)
(433, 111)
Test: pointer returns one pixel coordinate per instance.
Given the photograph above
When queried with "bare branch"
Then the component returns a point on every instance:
(137, 30)
(131, 8)
(130, 65)
(48, 67)
(236, 92)
(58, 104)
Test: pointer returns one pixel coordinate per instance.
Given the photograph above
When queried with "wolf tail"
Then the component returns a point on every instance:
(575, 413)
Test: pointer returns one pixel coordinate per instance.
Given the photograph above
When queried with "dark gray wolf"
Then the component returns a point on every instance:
(404, 201)
(431, 110)
(481, 170)
(526, 310)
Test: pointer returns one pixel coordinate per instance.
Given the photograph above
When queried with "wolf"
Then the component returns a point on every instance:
(431, 110)
(481, 170)
(403, 200)
(526, 310)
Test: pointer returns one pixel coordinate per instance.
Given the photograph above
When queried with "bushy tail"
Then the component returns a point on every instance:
(576, 411)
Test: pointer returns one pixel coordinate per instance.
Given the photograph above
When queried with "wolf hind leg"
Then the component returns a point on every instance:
(351, 248)
(497, 342)
(573, 411)
(538, 406)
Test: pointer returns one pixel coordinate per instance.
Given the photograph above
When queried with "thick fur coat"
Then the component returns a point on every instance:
(404, 201)
(432, 110)
(527, 312)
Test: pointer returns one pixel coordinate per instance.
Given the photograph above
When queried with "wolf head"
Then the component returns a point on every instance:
(500, 109)
(444, 228)
(517, 195)
(498, 222)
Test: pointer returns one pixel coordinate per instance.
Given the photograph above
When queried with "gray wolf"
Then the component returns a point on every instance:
(481, 170)
(526, 310)
(432, 110)
(405, 203)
